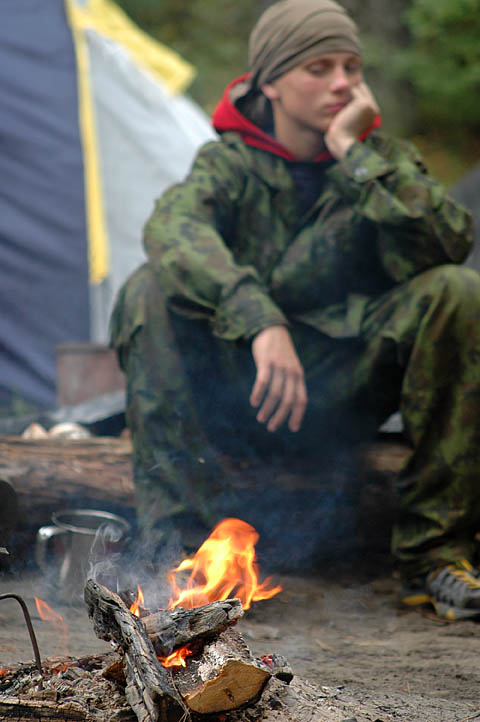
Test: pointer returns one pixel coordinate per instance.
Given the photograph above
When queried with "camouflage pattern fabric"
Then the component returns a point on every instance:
(229, 245)
(380, 317)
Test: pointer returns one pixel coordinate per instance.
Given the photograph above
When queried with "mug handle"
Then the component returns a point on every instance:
(44, 536)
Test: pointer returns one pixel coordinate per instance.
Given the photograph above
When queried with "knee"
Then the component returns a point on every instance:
(456, 285)
(139, 302)
(139, 289)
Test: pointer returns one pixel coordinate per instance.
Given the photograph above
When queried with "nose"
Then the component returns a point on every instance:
(340, 79)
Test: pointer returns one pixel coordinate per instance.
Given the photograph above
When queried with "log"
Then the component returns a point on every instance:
(225, 677)
(384, 457)
(8, 513)
(149, 689)
(233, 668)
(170, 629)
(51, 474)
(221, 673)
(98, 472)
(21, 710)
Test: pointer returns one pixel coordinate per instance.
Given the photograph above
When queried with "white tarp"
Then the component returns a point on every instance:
(146, 139)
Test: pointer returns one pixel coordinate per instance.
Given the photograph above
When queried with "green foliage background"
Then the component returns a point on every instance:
(443, 61)
(422, 59)
(211, 34)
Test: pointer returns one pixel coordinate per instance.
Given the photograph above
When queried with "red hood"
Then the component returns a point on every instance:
(227, 117)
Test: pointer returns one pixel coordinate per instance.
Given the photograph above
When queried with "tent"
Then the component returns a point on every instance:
(94, 126)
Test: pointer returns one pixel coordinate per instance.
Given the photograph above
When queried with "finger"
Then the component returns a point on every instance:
(361, 89)
(285, 406)
(363, 92)
(299, 407)
(357, 92)
(274, 394)
(260, 386)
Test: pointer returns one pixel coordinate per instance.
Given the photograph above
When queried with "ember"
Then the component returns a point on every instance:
(177, 658)
(224, 566)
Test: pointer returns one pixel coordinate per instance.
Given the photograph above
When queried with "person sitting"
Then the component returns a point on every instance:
(302, 284)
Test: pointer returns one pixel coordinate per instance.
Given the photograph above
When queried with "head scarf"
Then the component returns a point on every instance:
(292, 31)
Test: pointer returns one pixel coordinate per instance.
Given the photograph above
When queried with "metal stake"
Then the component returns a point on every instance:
(31, 631)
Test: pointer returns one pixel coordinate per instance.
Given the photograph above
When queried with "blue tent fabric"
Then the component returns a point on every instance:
(44, 287)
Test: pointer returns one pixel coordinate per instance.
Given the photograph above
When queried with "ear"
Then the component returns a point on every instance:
(270, 91)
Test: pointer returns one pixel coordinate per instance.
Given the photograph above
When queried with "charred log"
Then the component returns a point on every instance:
(149, 688)
(170, 629)
(221, 674)
(16, 710)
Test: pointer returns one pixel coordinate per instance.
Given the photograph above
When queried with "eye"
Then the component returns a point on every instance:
(317, 68)
(353, 67)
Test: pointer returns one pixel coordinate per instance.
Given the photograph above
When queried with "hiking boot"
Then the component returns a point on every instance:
(453, 590)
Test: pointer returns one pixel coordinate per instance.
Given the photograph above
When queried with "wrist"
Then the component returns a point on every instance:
(339, 145)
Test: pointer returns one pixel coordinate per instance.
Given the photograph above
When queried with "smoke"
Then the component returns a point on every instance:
(303, 517)
(123, 563)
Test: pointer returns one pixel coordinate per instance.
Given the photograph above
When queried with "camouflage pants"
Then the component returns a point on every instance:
(418, 351)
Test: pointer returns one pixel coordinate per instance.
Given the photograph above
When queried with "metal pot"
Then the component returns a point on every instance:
(78, 539)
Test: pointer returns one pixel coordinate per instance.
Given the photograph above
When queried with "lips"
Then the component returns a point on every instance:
(335, 108)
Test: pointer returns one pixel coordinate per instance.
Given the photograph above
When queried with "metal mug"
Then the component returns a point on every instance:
(78, 539)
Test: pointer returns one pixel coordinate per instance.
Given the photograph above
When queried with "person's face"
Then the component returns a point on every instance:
(310, 95)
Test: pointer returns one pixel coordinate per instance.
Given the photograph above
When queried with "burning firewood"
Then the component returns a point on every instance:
(169, 630)
(224, 677)
(214, 670)
(149, 689)
(210, 668)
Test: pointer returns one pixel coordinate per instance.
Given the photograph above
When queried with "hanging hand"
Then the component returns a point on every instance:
(279, 387)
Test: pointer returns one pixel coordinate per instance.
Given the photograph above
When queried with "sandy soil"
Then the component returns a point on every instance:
(368, 660)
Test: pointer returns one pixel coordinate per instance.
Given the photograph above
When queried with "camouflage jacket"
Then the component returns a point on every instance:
(230, 244)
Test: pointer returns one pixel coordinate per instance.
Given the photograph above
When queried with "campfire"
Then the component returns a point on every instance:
(224, 566)
(189, 659)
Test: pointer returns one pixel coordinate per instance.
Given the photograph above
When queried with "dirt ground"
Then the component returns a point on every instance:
(338, 626)
(368, 660)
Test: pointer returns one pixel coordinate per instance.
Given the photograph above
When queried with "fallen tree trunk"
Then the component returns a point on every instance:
(384, 458)
(52, 474)
(49, 475)
(98, 468)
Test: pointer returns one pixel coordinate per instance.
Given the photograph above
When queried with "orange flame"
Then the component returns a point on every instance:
(47, 614)
(135, 607)
(224, 566)
(176, 658)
